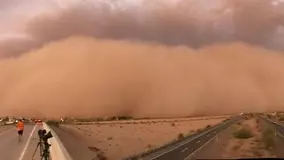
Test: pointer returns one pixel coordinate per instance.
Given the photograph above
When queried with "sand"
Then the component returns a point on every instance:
(247, 148)
(119, 140)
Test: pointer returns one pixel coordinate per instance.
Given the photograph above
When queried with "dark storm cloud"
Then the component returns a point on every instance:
(256, 21)
(251, 21)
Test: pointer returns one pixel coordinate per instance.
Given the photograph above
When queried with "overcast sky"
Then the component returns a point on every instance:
(190, 22)
(14, 14)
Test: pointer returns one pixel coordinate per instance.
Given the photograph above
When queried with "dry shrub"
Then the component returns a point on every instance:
(180, 136)
(243, 133)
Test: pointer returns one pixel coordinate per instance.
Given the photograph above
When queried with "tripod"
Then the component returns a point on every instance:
(44, 151)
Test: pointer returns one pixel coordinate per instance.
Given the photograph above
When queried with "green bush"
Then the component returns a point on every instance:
(243, 133)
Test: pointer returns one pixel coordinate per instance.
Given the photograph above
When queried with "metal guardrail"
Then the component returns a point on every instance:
(187, 139)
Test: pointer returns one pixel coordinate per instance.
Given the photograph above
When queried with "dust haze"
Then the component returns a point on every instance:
(83, 76)
(151, 61)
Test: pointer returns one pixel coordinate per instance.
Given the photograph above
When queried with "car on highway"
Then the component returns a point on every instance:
(10, 122)
(38, 121)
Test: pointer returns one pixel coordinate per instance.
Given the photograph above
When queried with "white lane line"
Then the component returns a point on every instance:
(218, 126)
(198, 142)
(205, 144)
(184, 149)
(27, 144)
(184, 143)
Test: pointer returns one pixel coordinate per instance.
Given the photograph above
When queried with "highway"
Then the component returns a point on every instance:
(279, 135)
(12, 149)
(277, 126)
(77, 147)
(184, 149)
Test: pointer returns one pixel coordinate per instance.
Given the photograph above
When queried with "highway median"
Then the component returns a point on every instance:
(57, 150)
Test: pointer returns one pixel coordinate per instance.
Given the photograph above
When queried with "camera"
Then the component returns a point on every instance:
(43, 144)
(43, 135)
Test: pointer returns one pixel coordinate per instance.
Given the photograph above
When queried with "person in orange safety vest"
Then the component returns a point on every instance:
(20, 127)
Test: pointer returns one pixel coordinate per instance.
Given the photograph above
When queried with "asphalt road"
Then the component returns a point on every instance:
(12, 149)
(186, 148)
(277, 126)
(76, 146)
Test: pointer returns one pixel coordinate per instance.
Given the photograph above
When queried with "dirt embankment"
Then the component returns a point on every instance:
(249, 141)
(250, 138)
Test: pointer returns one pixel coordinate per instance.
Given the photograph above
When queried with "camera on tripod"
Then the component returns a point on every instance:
(43, 135)
(43, 144)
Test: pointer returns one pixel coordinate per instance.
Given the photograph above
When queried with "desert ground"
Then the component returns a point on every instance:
(250, 138)
(120, 139)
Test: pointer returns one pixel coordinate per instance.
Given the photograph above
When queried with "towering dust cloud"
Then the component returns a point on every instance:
(149, 59)
(83, 76)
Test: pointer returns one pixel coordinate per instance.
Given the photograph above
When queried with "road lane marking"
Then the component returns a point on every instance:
(184, 149)
(221, 124)
(27, 144)
(186, 142)
(211, 139)
(279, 134)
(198, 142)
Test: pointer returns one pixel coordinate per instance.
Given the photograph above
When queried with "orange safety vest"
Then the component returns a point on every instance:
(20, 126)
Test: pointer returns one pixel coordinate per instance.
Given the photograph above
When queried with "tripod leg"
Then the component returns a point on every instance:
(44, 157)
(35, 150)
(42, 153)
(40, 150)
(45, 153)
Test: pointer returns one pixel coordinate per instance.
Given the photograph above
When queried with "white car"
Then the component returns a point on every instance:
(10, 122)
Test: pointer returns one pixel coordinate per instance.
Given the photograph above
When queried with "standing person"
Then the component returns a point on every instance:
(20, 127)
